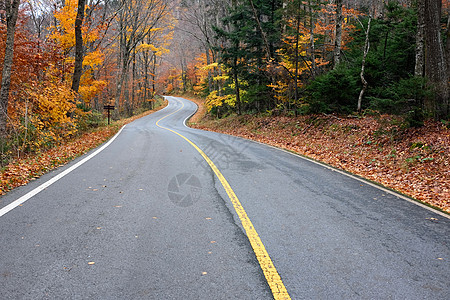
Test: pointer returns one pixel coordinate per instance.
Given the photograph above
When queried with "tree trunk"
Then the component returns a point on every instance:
(447, 48)
(363, 80)
(210, 77)
(12, 11)
(311, 40)
(263, 33)
(236, 86)
(122, 86)
(338, 39)
(153, 80)
(296, 57)
(78, 68)
(145, 58)
(133, 80)
(420, 42)
(435, 62)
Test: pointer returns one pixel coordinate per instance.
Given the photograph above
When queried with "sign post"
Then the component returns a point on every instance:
(109, 108)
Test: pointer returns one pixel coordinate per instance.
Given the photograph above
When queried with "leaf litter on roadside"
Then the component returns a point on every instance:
(413, 161)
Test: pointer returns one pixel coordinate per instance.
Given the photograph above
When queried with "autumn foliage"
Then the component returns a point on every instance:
(43, 111)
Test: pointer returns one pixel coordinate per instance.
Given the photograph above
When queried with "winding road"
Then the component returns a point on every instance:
(164, 211)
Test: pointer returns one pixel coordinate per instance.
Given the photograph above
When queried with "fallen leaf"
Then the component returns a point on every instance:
(413, 161)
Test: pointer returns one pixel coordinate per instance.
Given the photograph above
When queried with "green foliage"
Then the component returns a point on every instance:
(335, 91)
(89, 120)
(389, 65)
(388, 70)
(244, 51)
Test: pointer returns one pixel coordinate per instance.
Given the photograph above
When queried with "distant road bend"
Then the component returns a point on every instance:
(169, 212)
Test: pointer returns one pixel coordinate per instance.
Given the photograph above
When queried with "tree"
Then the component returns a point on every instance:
(78, 68)
(420, 39)
(338, 33)
(435, 61)
(250, 37)
(135, 21)
(365, 52)
(12, 11)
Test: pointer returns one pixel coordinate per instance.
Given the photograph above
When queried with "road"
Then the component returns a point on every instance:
(148, 218)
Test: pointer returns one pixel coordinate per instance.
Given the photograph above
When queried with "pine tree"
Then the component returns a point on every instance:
(251, 38)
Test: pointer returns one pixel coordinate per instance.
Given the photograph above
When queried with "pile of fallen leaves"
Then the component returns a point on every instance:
(20, 171)
(413, 161)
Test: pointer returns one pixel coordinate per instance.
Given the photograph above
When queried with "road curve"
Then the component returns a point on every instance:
(147, 218)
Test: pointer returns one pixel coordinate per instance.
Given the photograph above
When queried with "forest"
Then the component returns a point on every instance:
(62, 60)
(304, 57)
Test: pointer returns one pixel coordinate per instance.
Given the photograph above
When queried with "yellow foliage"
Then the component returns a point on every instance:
(93, 59)
(147, 47)
(281, 90)
(210, 66)
(64, 32)
(89, 91)
(221, 77)
(53, 104)
(213, 100)
(64, 35)
(156, 29)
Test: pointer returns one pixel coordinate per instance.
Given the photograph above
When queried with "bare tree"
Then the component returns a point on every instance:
(200, 16)
(135, 21)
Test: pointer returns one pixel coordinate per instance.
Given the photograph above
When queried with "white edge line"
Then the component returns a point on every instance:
(360, 179)
(46, 184)
(188, 117)
(363, 180)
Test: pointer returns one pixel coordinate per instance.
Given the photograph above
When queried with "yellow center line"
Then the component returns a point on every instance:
(273, 278)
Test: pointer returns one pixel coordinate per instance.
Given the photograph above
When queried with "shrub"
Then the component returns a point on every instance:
(335, 91)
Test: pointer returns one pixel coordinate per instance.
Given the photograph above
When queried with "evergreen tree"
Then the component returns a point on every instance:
(251, 37)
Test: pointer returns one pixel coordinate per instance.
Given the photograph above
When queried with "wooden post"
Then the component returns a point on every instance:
(109, 108)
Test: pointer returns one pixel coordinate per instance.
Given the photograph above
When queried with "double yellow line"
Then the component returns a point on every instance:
(273, 278)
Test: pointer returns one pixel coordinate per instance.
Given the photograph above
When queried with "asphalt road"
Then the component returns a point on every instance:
(147, 218)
